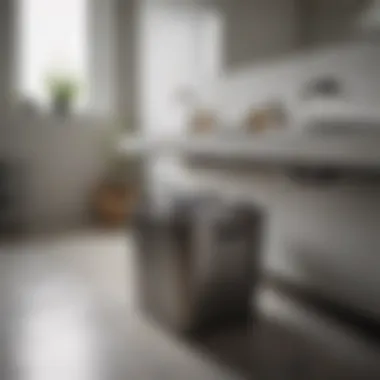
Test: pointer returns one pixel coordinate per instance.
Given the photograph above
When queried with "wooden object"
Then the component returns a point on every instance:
(203, 121)
(114, 203)
(261, 119)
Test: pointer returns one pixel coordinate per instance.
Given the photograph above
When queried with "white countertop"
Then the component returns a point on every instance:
(285, 149)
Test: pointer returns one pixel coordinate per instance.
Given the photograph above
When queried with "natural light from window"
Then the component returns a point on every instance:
(52, 39)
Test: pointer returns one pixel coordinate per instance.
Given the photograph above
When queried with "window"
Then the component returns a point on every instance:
(52, 39)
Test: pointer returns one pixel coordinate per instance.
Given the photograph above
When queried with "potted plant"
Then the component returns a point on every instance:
(63, 90)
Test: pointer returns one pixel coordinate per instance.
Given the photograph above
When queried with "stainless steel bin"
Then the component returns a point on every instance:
(196, 262)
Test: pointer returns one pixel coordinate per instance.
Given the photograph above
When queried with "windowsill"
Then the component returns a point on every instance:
(46, 118)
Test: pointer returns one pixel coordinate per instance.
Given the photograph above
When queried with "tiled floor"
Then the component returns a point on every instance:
(67, 313)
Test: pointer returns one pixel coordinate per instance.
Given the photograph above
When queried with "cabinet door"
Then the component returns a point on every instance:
(294, 341)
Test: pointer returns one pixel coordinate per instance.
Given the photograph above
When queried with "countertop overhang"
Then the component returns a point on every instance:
(344, 152)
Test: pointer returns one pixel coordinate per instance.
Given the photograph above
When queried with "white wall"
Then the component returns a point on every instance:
(168, 61)
(354, 65)
(263, 60)
(180, 47)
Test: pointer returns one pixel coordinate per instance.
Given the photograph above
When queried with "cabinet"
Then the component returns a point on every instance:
(293, 342)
